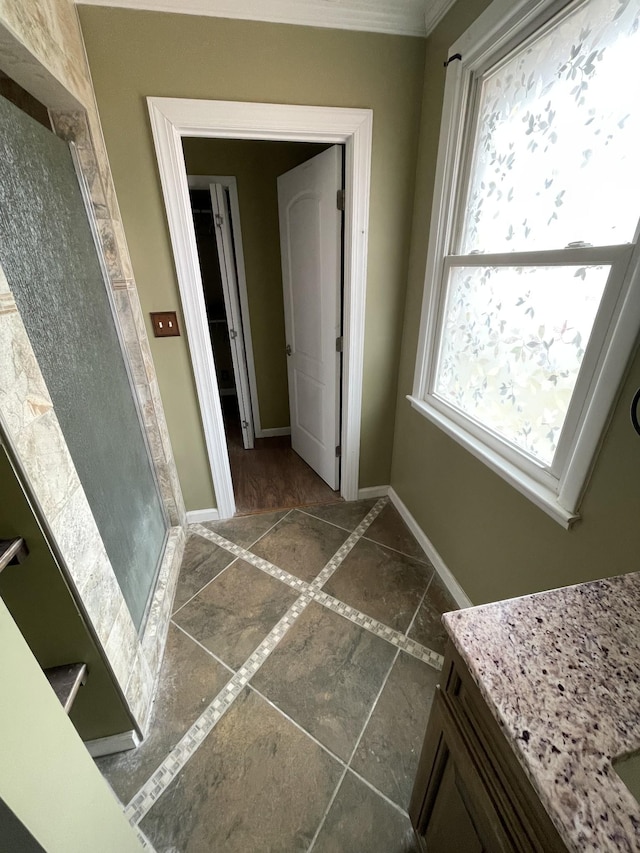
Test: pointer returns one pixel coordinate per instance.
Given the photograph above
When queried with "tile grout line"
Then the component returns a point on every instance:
(415, 616)
(297, 725)
(204, 648)
(425, 560)
(275, 524)
(422, 600)
(379, 629)
(328, 809)
(155, 786)
(287, 513)
(194, 532)
(325, 520)
(204, 586)
(348, 545)
(325, 748)
(353, 752)
(253, 560)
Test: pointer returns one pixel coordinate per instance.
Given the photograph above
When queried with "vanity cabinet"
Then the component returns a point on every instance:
(471, 793)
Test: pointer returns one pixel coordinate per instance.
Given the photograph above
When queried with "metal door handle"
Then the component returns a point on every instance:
(288, 349)
(12, 551)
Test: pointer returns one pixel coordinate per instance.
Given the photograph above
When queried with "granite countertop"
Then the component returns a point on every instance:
(560, 671)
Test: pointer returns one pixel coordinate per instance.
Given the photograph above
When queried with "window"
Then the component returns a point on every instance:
(532, 303)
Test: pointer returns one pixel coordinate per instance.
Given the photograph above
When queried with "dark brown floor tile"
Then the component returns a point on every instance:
(201, 562)
(360, 821)
(428, 628)
(257, 783)
(389, 529)
(381, 583)
(246, 529)
(301, 544)
(348, 514)
(235, 612)
(325, 674)
(189, 679)
(387, 756)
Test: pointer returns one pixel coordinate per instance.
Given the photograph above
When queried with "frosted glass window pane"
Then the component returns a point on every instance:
(512, 344)
(558, 135)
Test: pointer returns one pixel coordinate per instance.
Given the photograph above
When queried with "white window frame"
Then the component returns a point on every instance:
(557, 490)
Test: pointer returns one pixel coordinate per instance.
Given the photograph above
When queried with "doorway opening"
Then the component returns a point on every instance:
(173, 120)
(261, 388)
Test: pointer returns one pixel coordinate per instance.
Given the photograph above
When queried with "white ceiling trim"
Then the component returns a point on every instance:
(398, 17)
(435, 12)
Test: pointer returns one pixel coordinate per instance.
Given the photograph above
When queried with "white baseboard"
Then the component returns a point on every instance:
(444, 572)
(197, 516)
(113, 743)
(273, 432)
(373, 492)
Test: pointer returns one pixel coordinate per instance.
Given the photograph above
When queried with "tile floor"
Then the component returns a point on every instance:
(300, 666)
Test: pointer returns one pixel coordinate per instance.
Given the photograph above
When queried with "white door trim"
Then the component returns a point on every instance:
(173, 118)
(202, 182)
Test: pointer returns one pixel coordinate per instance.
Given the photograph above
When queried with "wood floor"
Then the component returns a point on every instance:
(272, 475)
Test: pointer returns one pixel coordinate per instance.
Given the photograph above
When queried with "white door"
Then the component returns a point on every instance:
(224, 242)
(310, 241)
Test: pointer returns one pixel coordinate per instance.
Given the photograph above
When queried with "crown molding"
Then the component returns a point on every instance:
(401, 17)
(434, 13)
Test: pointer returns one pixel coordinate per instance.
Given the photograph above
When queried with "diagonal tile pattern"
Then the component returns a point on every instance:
(232, 615)
(297, 680)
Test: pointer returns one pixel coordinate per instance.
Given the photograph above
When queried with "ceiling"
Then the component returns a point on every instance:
(400, 17)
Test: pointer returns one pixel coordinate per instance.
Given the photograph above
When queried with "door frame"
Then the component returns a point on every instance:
(229, 182)
(174, 118)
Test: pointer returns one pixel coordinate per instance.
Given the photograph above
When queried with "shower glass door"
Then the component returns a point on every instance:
(48, 254)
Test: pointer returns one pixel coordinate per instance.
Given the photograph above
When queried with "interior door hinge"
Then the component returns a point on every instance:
(219, 220)
(340, 200)
(245, 424)
(233, 334)
(339, 343)
(338, 451)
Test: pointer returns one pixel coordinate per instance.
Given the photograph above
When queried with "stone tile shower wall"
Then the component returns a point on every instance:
(41, 48)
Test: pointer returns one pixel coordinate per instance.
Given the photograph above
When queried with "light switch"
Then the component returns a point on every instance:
(165, 324)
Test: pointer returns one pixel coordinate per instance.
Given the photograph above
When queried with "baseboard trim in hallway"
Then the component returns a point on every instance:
(444, 572)
(198, 516)
(373, 492)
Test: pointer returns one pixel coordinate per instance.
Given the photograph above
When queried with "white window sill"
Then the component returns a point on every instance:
(542, 496)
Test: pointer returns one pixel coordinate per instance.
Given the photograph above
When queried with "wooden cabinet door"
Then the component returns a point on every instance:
(452, 808)
(470, 793)
(450, 826)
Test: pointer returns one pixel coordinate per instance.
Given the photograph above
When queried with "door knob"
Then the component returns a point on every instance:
(288, 349)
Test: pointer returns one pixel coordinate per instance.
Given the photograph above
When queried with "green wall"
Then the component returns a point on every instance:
(47, 778)
(256, 166)
(41, 604)
(495, 541)
(133, 54)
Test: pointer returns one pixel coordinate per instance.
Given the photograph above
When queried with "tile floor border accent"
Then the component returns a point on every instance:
(144, 841)
(397, 638)
(187, 746)
(248, 557)
(190, 742)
